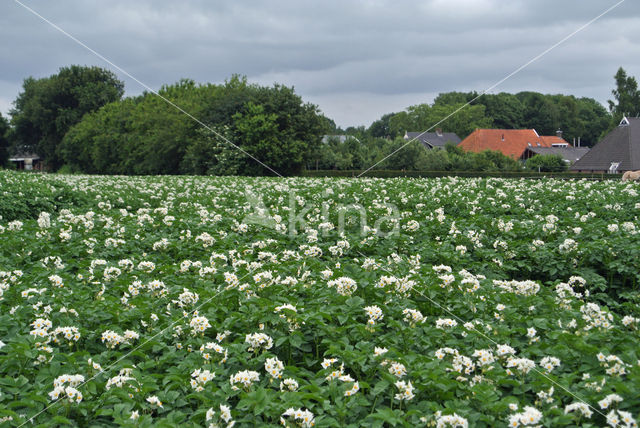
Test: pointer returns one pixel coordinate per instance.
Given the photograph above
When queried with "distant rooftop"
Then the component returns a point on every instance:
(621, 147)
(433, 139)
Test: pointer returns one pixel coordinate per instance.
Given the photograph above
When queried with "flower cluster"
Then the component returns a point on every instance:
(301, 418)
(65, 386)
(344, 286)
(453, 421)
(224, 415)
(199, 324)
(413, 316)
(274, 367)
(113, 339)
(245, 378)
(206, 349)
(530, 416)
(374, 313)
(405, 391)
(258, 341)
(199, 379)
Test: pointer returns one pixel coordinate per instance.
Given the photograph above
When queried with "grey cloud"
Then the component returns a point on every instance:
(333, 52)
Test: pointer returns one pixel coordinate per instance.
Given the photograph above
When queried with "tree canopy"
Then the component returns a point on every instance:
(582, 118)
(4, 143)
(46, 108)
(458, 117)
(146, 135)
(78, 118)
(626, 95)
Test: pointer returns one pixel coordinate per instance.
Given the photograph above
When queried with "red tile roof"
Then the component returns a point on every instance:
(511, 142)
(553, 139)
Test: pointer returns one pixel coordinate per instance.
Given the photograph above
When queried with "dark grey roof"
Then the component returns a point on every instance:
(20, 156)
(433, 139)
(570, 154)
(620, 145)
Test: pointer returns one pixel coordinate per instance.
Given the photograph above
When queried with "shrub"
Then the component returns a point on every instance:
(546, 163)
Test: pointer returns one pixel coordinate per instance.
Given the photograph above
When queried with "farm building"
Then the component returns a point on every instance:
(432, 140)
(570, 154)
(520, 143)
(26, 161)
(618, 151)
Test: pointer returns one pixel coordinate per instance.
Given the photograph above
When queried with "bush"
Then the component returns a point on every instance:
(546, 163)
(385, 173)
(26, 199)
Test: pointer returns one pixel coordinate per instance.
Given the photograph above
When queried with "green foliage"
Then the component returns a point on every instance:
(473, 266)
(540, 112)
(457, 118)
(505, 109)
(450, 98)
(25, 196)
(380, 128)
(386, 173)
(545, 163)
(211, 154)
(626, 97)
(46, 108)
(4, 142)
(436, 160)
(576, 117)
(402, 155)
(146, 135)
(460, 119)
(352, 153)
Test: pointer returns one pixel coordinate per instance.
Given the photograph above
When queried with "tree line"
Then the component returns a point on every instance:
(78, 121)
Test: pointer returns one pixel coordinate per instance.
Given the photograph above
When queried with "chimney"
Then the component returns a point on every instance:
(574, 141)
(578, 141)
(559, 133)
(502, 137)
(439, 132)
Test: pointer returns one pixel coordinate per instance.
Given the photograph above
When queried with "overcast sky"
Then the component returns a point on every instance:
(355, 59)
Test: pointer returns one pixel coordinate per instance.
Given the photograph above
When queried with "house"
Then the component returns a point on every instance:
(512, 142)
(26, 161)
(432, 140)
(568, 153)
(617, 152)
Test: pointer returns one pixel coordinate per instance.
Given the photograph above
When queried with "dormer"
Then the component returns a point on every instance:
(624, 122)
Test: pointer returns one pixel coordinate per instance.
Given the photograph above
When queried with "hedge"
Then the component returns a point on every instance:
(424, 174)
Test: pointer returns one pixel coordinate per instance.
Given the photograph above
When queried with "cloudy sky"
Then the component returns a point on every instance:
(355, 59)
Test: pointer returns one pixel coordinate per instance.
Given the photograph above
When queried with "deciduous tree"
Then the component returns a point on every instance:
(546, 163)
(626, 95)
(46, 108)
(4, 143)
